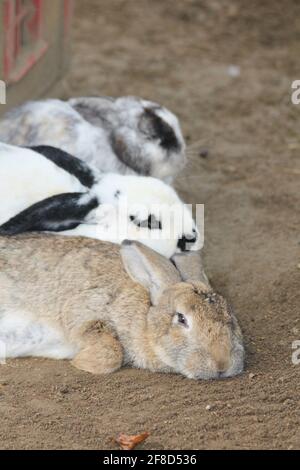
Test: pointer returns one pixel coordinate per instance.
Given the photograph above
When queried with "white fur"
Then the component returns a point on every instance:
(139, 196)
(20, 336)
(27, 177)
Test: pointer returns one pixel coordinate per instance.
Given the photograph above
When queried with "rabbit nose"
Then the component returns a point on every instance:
(185, 242)
(221, 366)
(221, 359)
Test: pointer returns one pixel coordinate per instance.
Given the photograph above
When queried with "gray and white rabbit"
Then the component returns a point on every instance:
(126, 135)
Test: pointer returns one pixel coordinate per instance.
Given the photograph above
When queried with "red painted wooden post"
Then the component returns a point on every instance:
(26, 20)
(9, 11)
(68, 11)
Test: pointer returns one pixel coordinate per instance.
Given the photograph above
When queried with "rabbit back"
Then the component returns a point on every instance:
(58, 280)
(27, 177)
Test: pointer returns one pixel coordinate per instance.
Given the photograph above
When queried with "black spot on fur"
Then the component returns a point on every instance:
(117, 194)
(160, 129)
(185, 241)
(69, 163)
(55, 214)
(151, 223)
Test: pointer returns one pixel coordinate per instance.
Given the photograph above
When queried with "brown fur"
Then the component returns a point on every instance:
(80, 286)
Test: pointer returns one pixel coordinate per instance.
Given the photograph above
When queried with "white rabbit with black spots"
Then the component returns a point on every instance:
(46, 189)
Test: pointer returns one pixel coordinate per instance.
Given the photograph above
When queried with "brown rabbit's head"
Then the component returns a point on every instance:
(192, 330)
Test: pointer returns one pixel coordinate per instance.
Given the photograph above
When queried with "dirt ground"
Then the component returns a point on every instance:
(181, 53)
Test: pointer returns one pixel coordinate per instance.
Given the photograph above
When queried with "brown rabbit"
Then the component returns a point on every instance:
(103, 306)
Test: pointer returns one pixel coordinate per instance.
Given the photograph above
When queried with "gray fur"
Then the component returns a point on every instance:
(126, 135)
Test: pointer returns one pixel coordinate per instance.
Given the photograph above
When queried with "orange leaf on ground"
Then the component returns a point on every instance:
(130, 442)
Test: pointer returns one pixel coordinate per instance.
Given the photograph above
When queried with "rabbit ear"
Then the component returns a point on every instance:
(56, 213)
(145, 266)
(95, 110)
(190, 267)
(128, 152)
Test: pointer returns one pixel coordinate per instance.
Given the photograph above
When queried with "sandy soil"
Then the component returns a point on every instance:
(178, 53)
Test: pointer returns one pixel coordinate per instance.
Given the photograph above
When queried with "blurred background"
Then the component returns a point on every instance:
(34, 53)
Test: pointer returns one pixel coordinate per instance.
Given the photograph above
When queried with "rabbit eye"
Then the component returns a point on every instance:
(181, 319)
(151, 223)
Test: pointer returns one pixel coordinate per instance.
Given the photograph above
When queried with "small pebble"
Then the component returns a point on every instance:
(208, 407)
(231, 168)
(234, 71)
(203, 153)
(251, 375)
